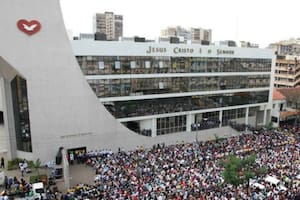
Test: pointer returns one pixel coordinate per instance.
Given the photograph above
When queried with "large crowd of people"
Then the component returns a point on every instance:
(194, 170)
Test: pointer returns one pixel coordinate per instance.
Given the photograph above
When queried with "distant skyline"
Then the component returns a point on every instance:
(257, 21)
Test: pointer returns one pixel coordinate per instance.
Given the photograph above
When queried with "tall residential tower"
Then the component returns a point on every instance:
(109, 24)
(287, 69)
(195, 35)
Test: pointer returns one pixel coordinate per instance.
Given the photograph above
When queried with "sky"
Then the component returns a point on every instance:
(257, 21)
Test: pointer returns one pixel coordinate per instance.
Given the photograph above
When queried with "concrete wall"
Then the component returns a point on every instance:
(63, 109)
(3, 139)
(276, 110)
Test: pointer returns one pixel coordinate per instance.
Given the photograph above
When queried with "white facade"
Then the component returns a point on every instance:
(63, 110)
(91, 49)
(278, 106)
(129, 48)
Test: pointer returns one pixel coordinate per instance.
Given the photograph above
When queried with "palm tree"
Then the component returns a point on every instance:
(37, 165)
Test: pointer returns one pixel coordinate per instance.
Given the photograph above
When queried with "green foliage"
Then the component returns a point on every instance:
(37, 165)
(237, 171)
(249, 161)
(263, 170)
(38, 178)
(13, 164)
(232, 168)
(269, 126)
(218, 139)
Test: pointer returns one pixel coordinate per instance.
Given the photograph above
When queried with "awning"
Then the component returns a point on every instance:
(287, 115)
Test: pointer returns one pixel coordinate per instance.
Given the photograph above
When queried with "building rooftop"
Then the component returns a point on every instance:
(277, 95)
(289, 92)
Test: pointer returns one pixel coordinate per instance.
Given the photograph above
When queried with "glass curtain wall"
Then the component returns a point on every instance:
(21, 114)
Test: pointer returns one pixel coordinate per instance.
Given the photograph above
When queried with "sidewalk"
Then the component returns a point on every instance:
(79, 173)
(17, 173)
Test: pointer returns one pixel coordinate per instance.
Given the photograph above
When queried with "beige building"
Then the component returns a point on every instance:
(286, 47)
(195, 35)
(109, 24)
(287, 72)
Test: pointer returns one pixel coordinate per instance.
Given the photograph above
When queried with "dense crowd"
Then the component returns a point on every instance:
(194, 170)
(15, 187)
(188, 171)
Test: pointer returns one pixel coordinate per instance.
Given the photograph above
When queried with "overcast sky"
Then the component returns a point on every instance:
(257, 21)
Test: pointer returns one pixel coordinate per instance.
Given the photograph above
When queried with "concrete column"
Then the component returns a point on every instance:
(190, 119)
(154, 128)
(265, 116)
(1, 93)
(66, 169)
(3, 136)
(220, 117)
(247, 117)
(8, 131)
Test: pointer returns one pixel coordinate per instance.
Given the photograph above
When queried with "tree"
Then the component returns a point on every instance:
(238, 171)
(293, 98)
(37, 165)
(232, 169)
(269, 126)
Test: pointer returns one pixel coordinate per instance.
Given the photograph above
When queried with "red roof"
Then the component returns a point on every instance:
(277, 95)
(289, 92)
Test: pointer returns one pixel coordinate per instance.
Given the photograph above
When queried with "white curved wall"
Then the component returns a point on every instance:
(63, 109)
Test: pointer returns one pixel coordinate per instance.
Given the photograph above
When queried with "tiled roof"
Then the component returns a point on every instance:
(289, 92)
(277, 95)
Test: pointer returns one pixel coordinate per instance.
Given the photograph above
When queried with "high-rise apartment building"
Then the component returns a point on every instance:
(287, 71)
(287, 68)
(195, 35)
(109, 24)
(286, 47)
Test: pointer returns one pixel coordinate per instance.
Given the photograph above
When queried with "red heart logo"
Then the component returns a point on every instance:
(29, 27)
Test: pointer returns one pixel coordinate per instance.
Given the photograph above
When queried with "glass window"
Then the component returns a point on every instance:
(1, 118)
(132, 64)
(21, 114)
(171, 124)
(181, 104)
(101, 65)
(161, 64)
(147, 64)
(117, 65)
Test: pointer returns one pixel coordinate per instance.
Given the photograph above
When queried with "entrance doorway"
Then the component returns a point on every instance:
(76, 155)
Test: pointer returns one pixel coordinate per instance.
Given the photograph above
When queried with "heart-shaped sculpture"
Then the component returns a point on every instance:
(29, 27)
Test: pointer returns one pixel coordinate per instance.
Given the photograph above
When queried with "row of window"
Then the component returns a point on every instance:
(21, 114)
(171, 125)
(135, 108)
(145, 86)
(103, 65)
(202, 121)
